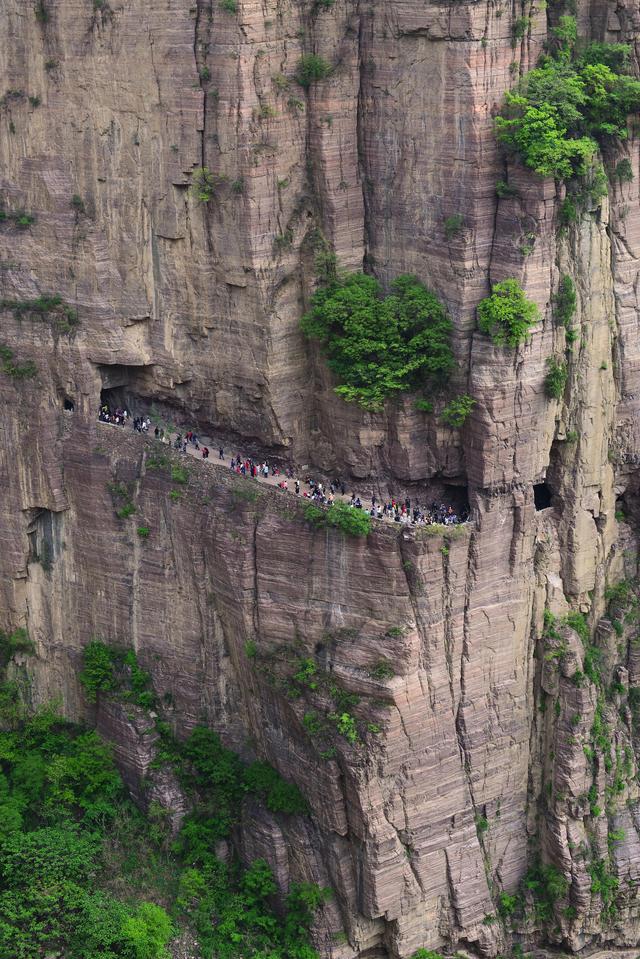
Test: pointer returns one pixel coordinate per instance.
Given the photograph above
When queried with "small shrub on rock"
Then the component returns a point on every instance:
(456, 412)
(507, 315)
(556, 378)
(354, 522)
(310, 69)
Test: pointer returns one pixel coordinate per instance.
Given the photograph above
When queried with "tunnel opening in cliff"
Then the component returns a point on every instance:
(542, 496)
(123, 385)
(456, 496)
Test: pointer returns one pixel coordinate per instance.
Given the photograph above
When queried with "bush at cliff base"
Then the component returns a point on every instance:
(380, 346)
(79, 863)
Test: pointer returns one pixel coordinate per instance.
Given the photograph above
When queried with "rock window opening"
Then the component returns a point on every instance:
(68, 405)
(541, 496)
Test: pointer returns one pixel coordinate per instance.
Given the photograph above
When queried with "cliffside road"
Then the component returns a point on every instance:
(405, 513)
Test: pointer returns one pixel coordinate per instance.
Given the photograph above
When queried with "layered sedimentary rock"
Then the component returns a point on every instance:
(460, 781)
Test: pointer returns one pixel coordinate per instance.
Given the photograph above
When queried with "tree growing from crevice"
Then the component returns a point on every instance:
(379, 346)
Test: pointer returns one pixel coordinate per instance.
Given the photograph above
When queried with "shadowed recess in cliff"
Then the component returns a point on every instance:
(122, 384)
(44, 531)
(542, 496)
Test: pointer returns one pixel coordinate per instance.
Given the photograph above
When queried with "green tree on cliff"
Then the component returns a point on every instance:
(573, 101)
(507, 315)
(379, 346)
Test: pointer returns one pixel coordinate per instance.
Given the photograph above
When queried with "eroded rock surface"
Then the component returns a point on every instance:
(476, 756)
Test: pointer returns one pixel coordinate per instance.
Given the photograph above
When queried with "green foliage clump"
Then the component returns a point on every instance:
(547, 885)
(568, 212)
(564, 301)
(354, 522)
(278, 795)
(97, 672)
(507, 315)
(604, 884)
(230, 6)
(573, 101)
(19, 218)
(453, 225)
(60, 796)
(624, 171)
(381, 670)
(504, 191)
(205, 183)
(555, 380)
(217, 777)
(16, 642)
(111, 669)
(482, 825)
(18, 371)
(379, 346)
(310, 69)
(457, 411)
(233, 915)
(179, 475)
(578, 623)
(570, 103)
(143, 531)
(346, 726)
(46, 306)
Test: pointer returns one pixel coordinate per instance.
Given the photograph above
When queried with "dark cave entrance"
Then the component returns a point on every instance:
(458, 497)
(68, 405)
(122, 386)
(542, 496)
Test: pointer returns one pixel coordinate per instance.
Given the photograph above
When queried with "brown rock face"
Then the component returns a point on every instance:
(488, 748)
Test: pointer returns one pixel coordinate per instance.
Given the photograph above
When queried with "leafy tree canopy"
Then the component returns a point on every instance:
(507, 315)
(574, 100)
(379, 346)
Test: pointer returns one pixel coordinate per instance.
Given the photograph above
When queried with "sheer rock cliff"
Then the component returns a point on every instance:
(477, 757)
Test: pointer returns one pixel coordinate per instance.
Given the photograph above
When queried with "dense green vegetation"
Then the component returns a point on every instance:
(354, 522)
(205, 183)
(579, 96)
(311, 68)
(379, 346)
(66, 823)
(564, 301)
(85, 874)
(457, 411)
(556, 378)
(507, 315)
(20, 218)
(59, 796)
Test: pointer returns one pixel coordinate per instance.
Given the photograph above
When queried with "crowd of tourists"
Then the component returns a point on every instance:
(117, 417)
(323, 493)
